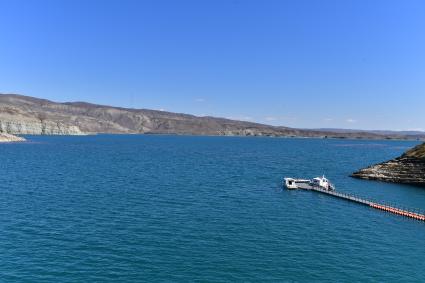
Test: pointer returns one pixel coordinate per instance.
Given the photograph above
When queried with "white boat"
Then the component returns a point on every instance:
(318, 182)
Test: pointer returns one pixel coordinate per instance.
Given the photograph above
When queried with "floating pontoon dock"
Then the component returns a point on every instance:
(305, 185)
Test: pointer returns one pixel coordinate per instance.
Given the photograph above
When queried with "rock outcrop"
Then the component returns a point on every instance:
(406, 169)
(10, 138)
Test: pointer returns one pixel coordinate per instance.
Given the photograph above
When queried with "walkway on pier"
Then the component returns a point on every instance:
(415, 215)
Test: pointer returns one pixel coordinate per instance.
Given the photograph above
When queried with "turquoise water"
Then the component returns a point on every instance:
(208, 209)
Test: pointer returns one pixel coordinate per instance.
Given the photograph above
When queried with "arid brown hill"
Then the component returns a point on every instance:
(28, 115)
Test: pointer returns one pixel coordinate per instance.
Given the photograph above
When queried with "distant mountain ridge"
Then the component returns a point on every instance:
(420, 134)
(29, 115)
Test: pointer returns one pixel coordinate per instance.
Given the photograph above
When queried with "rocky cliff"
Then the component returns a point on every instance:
(37, 127)
(22, 115)
(406, 169)
(28, 115)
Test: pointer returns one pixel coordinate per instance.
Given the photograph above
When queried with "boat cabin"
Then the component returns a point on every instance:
(323, 183)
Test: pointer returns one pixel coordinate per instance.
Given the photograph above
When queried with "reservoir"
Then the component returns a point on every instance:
(127, 208)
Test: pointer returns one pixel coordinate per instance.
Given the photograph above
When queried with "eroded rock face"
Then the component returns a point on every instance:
(10, 138)
(406, 169)
(22, 127)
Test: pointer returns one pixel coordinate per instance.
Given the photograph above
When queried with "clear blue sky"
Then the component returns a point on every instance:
(348, 64)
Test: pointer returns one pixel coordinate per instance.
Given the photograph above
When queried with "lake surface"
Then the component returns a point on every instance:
(210, 209)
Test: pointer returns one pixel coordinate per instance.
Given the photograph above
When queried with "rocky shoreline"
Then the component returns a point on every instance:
(406, 169)
(10, 138)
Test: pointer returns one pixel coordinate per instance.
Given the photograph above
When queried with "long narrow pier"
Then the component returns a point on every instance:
(391, 209)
